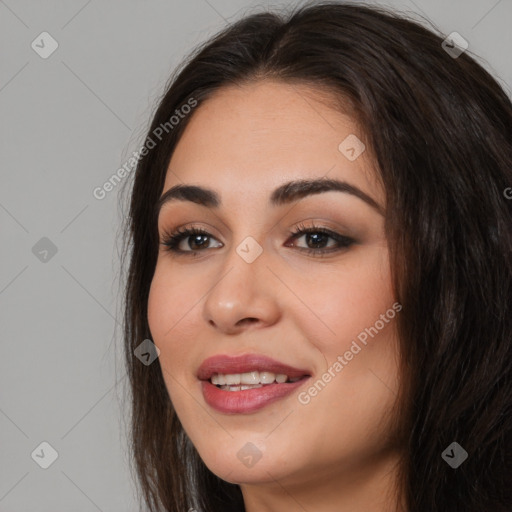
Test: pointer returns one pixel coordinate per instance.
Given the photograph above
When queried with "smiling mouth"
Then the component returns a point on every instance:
(243, 398)
(251, 380)
(247, 383)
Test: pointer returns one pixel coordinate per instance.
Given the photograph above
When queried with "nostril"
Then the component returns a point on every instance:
(246, 321)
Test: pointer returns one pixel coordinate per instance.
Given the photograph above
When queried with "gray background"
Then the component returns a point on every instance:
(68, 123)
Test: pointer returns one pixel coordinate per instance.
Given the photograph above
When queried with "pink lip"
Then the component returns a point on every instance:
(248, 400)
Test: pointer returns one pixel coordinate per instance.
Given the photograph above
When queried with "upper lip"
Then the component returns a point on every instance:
(226, 364)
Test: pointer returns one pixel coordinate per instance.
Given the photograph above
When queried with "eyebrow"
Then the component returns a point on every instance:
(284, 194)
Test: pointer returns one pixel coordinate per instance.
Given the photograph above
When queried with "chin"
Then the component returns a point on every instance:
(244, 461)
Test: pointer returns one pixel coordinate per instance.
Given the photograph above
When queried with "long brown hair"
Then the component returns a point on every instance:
(440, 130)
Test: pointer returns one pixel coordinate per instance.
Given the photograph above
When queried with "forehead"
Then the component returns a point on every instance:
(251, 138)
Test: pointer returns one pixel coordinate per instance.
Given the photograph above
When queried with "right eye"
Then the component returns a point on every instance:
(195, 238)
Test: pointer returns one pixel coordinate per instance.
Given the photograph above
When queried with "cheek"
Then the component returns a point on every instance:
(159, 302)
(354, 319)
(173, 298)
(170, 317)
(345, 302)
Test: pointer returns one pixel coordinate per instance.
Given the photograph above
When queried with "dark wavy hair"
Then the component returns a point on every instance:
(440, 132)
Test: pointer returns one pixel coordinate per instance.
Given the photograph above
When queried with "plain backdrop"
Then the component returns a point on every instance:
(68, 122)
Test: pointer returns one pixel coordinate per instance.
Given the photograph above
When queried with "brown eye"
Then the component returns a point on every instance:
(189, 240)
(317, 240)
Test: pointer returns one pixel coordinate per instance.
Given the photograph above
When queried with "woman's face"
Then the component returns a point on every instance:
(249, 287)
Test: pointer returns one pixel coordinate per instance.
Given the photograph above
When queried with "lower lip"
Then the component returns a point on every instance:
(247, 400)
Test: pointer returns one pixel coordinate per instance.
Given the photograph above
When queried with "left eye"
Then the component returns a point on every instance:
(316, 239)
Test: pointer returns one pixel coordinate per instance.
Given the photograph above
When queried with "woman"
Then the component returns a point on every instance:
(321, 254)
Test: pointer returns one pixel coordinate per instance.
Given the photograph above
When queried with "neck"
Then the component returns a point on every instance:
(369, 488)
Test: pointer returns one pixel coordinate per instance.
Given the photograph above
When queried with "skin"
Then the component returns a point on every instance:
(334, 454)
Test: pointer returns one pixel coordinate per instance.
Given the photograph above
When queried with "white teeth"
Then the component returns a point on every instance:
(251, 387)
(249, 379)
(267, 377)
(240, 388)
(218, 379)
(230, 388)
(232, 379)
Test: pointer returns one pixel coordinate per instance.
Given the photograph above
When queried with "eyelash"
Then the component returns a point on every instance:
(172, 240)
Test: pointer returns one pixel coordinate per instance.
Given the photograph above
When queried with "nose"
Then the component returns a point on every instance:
(242, 296)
